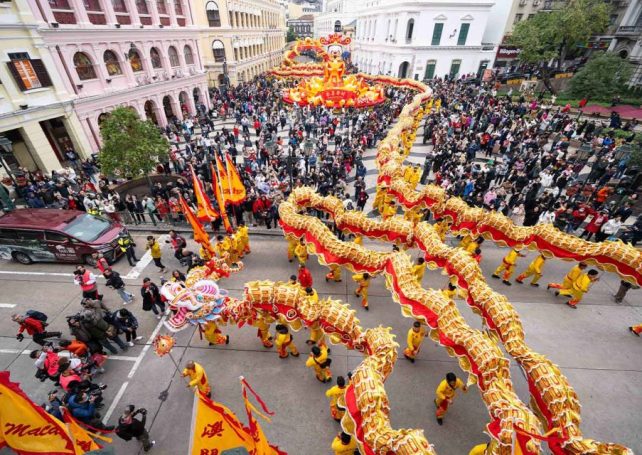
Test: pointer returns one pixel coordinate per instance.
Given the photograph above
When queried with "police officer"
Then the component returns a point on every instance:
(127, 247)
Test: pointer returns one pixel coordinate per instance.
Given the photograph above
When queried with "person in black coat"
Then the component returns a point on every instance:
(152, 298)
(130, 427)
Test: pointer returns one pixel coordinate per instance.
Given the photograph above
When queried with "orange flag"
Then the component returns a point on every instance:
(237, 189)
(223, 179)
(200, 236)
(216, 429)
(218, 191)
(27, 428)
(262, 445)
(205, 212)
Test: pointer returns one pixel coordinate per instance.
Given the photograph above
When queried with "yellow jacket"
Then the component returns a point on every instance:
(511, 257)
(340, 449)
(583, 283)
(197, 377)
(414, 339)
(418, 271)
(281, 339)
(334, 393)
(301, 251)
(537, 264)
(317, 361)
(314, 298)
(358, 240)
(154, 250)
(574, 273)
(359, 278)
(204, 254)
(444, 391)
(479, 449)
(221, 248)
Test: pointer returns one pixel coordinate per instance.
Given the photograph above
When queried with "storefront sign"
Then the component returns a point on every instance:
(508, 52)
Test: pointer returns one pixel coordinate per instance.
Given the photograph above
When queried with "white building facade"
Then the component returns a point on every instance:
(422, 39)
(336, 14)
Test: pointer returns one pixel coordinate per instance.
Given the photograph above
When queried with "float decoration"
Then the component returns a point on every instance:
(334, 89)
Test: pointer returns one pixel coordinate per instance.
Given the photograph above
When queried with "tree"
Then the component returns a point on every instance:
(131, 147)
(603, 77)
(551, 36)
(291, 36)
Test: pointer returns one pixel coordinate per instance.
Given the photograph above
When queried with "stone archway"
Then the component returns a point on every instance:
(184, 102)
(168, 107)
(403, 70)
(150, 111)
(102, 117)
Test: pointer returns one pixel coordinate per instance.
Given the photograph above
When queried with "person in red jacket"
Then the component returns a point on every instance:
(580, 214)
(260, 208)
(34, 327)
(595, 225)
(305, 277)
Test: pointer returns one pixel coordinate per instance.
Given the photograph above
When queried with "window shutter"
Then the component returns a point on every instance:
(16, 76)
(463, 34)
(41, 72)
(436, 34)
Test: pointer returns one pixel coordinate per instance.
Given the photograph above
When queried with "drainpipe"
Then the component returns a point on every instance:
(73, 86)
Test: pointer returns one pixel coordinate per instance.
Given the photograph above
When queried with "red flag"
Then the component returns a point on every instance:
(205, 212)
(262, 445)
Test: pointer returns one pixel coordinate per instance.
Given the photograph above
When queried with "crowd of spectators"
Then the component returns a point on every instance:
(512, 154)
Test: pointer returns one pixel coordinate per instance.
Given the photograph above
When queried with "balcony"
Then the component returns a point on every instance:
(629, 30)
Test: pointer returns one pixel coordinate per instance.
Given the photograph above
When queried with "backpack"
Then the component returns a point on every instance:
(42, 317)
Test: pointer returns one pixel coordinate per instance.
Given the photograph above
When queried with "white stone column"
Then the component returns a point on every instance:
(172, 13)
(133, 12)
(39, 147)
(153, 10)
(108, 9)
(80, 11)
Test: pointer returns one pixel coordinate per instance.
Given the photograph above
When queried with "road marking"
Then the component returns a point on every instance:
(145, 349)
(11, 272)
(114, 403)
(7, 305)
(137, 362)
(135, 272)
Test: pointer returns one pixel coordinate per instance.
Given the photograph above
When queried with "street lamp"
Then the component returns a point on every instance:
(6, 147)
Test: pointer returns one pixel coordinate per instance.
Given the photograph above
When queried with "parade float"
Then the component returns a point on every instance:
(552, 418)
(334, 88)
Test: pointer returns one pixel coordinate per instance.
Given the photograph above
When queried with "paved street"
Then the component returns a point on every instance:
(591, 345)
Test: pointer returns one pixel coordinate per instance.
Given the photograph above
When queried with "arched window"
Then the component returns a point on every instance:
(213, 14)
(409, 29)
(111, 62)
(155, 57)
(84, 67)
(173, 57)
(135, 61)
(219, 51)
(189, 57)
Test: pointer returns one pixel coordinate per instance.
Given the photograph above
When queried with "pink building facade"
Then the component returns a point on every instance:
(138, 53)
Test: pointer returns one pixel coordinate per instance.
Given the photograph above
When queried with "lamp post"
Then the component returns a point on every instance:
(6, 147)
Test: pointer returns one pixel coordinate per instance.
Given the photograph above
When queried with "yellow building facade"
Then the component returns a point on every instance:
(239, 39)
(37, 122)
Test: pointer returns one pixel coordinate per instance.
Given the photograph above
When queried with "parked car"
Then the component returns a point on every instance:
(51, 235)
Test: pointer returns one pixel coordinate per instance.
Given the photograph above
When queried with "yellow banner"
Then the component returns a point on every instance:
(83, 440)
(27, 428)
(215, 429)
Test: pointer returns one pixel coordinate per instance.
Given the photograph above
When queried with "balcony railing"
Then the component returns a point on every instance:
(629, 29)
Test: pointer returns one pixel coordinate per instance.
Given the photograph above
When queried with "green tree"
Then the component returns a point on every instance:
(604, 76)
(551, 36)
(291, 35)
(131, 147)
